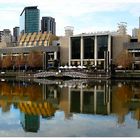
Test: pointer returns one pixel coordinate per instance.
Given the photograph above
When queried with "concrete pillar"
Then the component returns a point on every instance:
(81, 99)
(95, 99)
(1, 56)
(109, 48)
(69, 45)
(95, 50)
(44, 92)
(69, 99)
(108, 103)
(55, 55)
(82, 47)
(133, 64)
(44, 61)
(55, 94)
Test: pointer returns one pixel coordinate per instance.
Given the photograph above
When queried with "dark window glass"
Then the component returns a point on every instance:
(75, 48)
(75, 101)
(137, 54)
(88, 48)
(102, 43)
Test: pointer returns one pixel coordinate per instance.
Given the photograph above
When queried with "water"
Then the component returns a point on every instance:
(73, 108)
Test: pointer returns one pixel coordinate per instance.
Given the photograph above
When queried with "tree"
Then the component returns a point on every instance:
(7, 62)
(0, 63)
(34, 59)
(19, 61)
(124, 59)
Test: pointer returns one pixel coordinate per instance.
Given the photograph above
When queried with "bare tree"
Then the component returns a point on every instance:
(124, 59)
(20, 61)
(7, 62)
(34, 59)
(0, 63)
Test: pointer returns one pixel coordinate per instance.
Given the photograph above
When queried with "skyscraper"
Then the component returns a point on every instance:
(29, 20)
(48, 24)
(15, 33)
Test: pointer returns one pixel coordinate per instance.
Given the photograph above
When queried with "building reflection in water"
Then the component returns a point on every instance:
(30, 123)
(29, 99)
(102, 98)
(91, 98)
(86, 97)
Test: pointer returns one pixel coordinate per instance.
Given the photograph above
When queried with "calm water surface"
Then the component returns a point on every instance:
(73, 108)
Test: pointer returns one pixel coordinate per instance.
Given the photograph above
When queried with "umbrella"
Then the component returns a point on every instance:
(83, 67)
(65, 67)
(80, 67)
(61, 67)
(70, 67)
(74, 67)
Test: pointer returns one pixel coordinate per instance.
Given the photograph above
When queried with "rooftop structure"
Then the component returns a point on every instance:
(37, 39)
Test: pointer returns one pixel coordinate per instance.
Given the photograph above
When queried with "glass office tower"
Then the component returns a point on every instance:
(29, 20)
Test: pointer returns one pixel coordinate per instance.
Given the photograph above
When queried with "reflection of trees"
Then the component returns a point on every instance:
(124, 93)
(120, 98)
(32, 92)
(64, 103)
(137, 116)
(5, 106)
(6, 89)
(29, 99)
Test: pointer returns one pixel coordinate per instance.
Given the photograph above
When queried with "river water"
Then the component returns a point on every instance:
(71, 108)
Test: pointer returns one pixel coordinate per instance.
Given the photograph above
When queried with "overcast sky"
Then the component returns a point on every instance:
(83, 15)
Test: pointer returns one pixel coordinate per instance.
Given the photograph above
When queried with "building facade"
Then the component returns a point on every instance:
(29, 20)
(36, 42)
(48, 24)
(5, 38)
(90, 49)
(15, 34)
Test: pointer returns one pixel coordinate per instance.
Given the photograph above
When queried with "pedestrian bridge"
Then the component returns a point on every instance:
(72, 74)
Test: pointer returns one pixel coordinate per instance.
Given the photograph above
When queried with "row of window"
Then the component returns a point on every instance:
(88, 47)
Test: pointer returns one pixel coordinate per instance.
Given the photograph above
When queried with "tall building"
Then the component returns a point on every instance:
(29, 20)
(30, 123)
(1, 33)
(6, 36)
(15, 34)
(48, 24)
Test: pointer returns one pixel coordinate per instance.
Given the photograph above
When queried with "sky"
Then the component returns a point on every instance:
(84, 15)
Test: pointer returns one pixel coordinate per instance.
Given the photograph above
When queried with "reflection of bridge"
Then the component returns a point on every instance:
(72, 74)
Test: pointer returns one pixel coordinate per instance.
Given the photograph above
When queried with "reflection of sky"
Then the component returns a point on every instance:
(81, 125)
